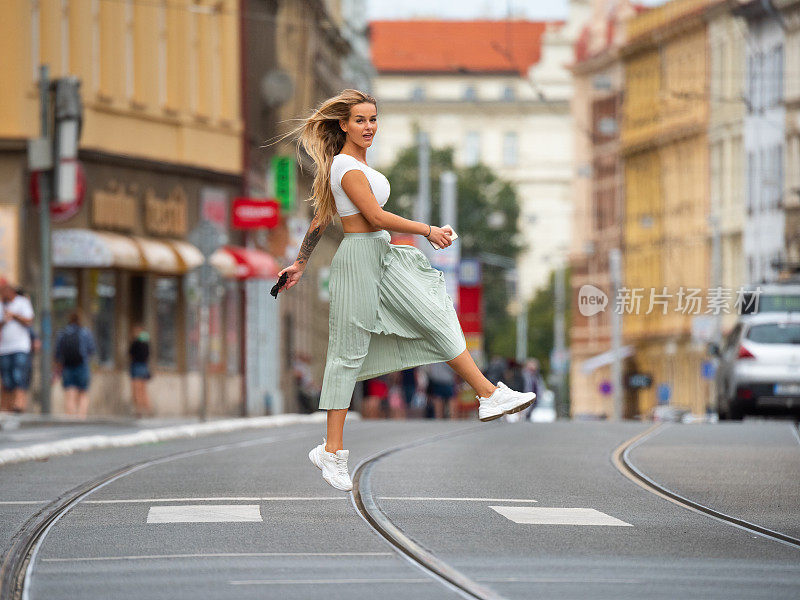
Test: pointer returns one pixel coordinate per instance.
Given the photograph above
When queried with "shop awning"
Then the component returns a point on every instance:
(250, 263)
(87, 248)
(90, 248)
(188, 254)
(606, 358)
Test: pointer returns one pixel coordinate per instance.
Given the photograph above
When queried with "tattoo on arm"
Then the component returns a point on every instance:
(309, 242)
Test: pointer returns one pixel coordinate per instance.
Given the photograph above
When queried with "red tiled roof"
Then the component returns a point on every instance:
(456, 46)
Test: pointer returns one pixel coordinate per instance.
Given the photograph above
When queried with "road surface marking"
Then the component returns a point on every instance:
(24, 501)
(204, 513)
(217, 555)
(323, 581)
(535, 515)
(456, 499)
(220, 499)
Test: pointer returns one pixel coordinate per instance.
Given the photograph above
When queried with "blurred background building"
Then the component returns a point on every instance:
(670, 133)
(599, 192)
(497, 92)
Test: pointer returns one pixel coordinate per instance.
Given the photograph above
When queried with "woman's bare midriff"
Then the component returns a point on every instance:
(357, 224)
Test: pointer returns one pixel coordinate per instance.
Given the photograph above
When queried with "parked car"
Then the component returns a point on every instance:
(759, 366)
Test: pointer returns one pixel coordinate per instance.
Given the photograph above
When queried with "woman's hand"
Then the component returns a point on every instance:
(293, 274)
(440, 236)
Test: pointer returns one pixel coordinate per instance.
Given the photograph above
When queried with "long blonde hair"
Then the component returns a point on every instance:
(322, 138)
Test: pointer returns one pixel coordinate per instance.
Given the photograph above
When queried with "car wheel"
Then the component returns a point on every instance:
(735, 411)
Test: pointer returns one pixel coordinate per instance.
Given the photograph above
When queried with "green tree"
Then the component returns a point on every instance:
(488, 212)
(541, 315)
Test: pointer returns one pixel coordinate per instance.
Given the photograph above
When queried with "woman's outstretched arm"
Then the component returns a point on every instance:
(295, 271)
(313, 235)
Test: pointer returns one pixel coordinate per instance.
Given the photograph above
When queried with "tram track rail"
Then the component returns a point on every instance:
(622, 461)
(364, 502)
(16, 569)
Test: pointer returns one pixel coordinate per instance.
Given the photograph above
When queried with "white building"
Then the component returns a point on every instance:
(498, 93)
(764, 137)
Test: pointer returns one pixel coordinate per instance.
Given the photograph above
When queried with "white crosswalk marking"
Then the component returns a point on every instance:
(204, 513)
(535, 515)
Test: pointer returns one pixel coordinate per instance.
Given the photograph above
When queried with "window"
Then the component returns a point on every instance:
(510, 157)
(418, 93)
(509, 94)
(751, 182)
(103, 301)
(472, 148)
(470, 94)
(165, 291)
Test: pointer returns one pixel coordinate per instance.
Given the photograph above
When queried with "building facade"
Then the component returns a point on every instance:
(764, 142)
(598, 196)
(664, 143)
(727, 46)
(789, 11)
(160, 145)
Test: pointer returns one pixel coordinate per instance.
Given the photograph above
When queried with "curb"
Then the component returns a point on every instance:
(159, 434)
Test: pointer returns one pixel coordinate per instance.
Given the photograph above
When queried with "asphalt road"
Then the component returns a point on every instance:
(290, 535)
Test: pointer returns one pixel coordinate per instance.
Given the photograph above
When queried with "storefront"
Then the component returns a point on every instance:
(124, 259)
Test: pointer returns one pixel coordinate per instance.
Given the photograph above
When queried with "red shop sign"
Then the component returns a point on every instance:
(253, 213)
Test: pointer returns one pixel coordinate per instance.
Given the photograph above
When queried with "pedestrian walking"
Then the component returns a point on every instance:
(441, 389)
(389, 309)
(139, 354)
(73, 348)
(16, 318)
(532, 382)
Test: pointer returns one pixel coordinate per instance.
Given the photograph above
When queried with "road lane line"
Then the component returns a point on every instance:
(324, 581)
(215, 555)
(24, 501)
(456, 499)
(218, 499)
(205, 513)
(539, 515)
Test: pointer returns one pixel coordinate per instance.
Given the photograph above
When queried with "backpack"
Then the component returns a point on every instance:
(71, 348)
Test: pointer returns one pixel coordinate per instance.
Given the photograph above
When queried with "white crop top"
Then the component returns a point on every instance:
(342, 163)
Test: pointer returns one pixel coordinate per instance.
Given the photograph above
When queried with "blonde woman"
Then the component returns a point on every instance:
(389, 309)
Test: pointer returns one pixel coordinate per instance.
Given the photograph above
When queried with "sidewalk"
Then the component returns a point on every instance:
(58, 435)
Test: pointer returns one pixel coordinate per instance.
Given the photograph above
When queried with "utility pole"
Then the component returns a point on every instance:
(44, 182)
(448, 259)
(615, 268)
(423, 206)
(558, 336)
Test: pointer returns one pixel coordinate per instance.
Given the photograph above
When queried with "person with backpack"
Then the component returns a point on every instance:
(74, 346)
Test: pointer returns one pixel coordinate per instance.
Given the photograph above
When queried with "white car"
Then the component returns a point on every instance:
(545, 409)
(759, 366)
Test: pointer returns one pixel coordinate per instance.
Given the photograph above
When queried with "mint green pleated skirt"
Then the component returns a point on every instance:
(389, 310)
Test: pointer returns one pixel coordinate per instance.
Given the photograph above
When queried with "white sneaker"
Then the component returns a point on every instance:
(504, 401)
(333, 466)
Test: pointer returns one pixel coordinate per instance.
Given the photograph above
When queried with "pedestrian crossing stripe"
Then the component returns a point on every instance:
(536, 515)
(205, 513)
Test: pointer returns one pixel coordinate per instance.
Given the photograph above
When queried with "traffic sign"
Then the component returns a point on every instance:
(255, 213)
(284, 174)
(207, 237)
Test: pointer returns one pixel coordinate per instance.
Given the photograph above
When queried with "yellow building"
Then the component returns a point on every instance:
(665, 150)
(161, 146)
